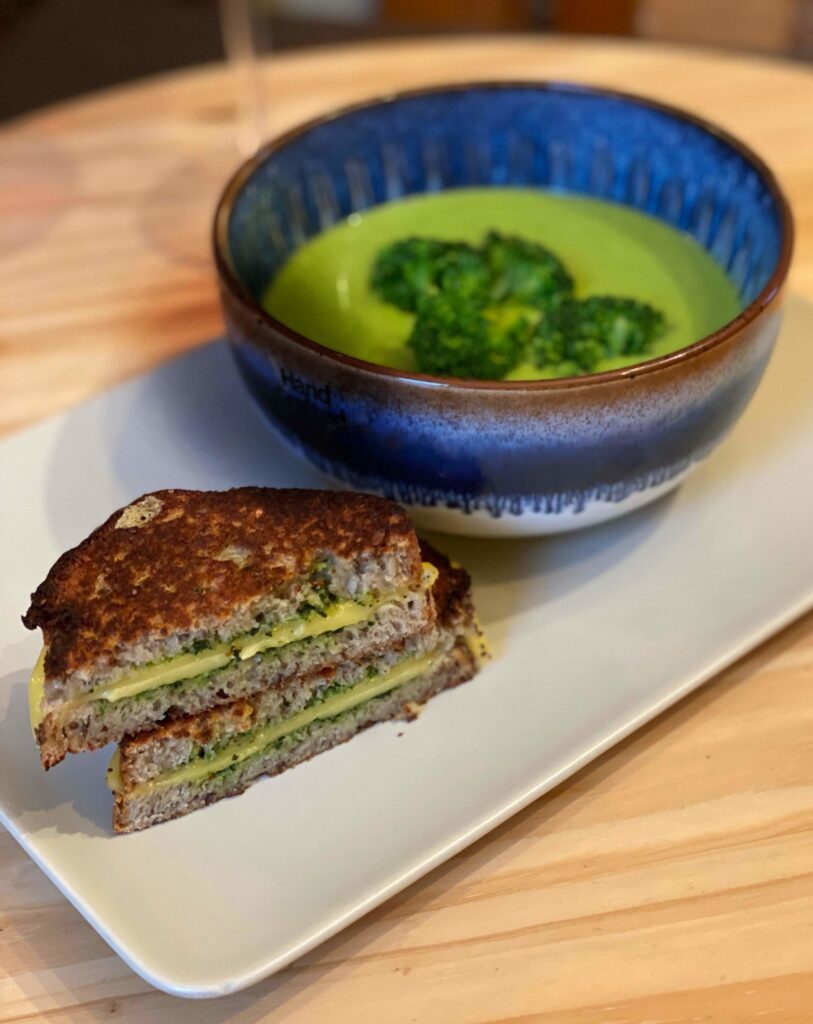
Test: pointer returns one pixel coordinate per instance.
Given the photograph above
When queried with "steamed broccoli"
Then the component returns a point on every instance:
(479, 309)
(525, 273)
(451, 338)
(407, 271)
(584, 332)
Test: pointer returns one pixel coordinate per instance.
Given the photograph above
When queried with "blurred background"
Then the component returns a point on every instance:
(54, 49)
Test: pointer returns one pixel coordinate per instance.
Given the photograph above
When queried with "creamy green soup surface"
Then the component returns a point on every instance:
(324, 291)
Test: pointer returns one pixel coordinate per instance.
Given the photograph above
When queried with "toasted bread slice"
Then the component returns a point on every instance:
(183, 566)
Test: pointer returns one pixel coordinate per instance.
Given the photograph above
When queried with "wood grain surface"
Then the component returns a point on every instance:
(671, 881)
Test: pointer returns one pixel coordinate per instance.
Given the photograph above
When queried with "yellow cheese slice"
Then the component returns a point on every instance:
(247, 746)
(36, 691)
(187, 666)
(184, 666)
(112, 775)
(338, 616)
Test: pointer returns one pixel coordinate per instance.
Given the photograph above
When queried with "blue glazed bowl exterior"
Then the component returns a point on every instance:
(505, 457)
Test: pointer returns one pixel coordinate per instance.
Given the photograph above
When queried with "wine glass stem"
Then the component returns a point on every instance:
(241, 41)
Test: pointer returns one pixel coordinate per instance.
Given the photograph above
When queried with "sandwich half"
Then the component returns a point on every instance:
(186, 601)
(194, 760)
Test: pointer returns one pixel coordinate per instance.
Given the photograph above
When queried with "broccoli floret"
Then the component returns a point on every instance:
(583, 333)
(450, 338)
(465, 272)
(628, 327)
(406, 272)
(525, 273)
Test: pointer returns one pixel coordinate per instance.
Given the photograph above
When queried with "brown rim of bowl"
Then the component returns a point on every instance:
(709, 341)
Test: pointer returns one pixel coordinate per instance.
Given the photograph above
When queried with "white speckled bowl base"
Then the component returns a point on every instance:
(536, 524)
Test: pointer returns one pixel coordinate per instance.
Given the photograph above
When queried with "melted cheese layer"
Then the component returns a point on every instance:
(187, 666)
(340, 615)
(246, 746)
(36, 692)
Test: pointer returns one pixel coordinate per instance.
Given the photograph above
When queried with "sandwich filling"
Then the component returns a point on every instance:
(328, 704)
(334, 616)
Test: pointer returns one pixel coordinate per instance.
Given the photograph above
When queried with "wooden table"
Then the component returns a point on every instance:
(672, 880)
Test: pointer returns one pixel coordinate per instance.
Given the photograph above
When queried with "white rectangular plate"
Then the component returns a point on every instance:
(593, 634)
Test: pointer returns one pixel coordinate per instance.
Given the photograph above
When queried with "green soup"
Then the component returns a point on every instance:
(323, 290)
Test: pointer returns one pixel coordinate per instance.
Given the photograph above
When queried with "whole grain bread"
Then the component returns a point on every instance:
(89, 726)
(149, 753)
(174, 742)
(176, 567)
(140, 809)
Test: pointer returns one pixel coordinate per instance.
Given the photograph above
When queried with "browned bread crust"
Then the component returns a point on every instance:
(451, 590)
(174, 558)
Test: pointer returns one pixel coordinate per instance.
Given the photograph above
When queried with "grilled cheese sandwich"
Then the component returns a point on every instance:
(221, 636)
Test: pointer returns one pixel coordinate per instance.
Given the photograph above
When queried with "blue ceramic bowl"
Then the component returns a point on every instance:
(505, 458)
